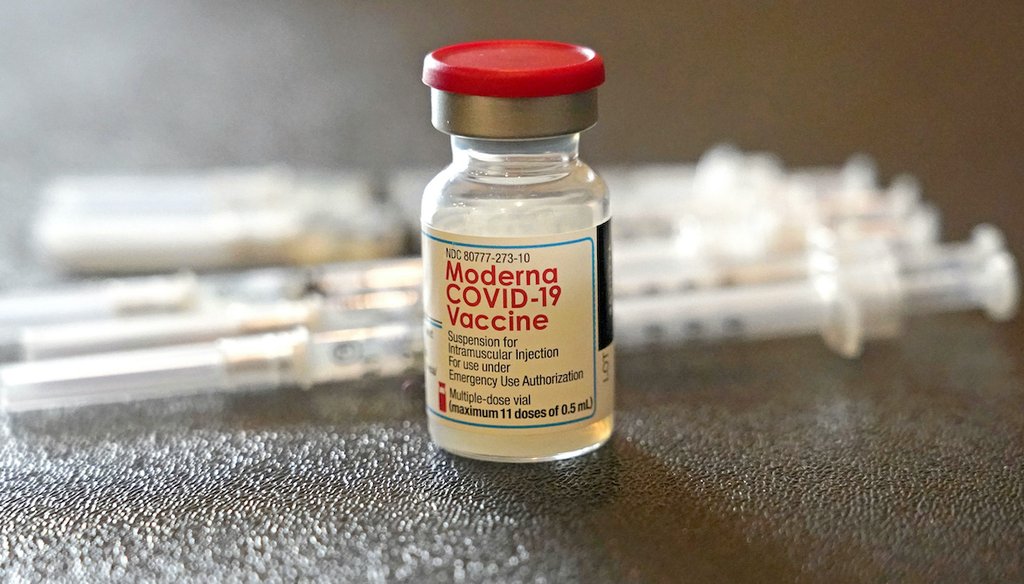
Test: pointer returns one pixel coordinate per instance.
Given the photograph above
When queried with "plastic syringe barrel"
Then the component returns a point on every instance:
(847, 298)
(327, 313)
(345, 354)
(251, 362)
(853, 294)
(358, 277)
(61, 340)
(295, 358)
(94, 300)
(742, 312)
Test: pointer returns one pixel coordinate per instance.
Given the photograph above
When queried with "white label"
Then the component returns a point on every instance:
(518, 330)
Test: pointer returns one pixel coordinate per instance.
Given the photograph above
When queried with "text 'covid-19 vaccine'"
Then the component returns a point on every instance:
(519, 354)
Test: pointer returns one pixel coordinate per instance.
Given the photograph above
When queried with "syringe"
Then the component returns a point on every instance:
(213, 322)
(212, 219)
(293, 358)
(737, 208)
(362, 324)
(131, 296)
(99, 299)
(116, 315)
(850, 297)
(654, 266)
(101, 336)
(340, 288)
(392, 286)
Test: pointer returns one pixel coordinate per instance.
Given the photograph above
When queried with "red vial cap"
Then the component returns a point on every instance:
(513, 68)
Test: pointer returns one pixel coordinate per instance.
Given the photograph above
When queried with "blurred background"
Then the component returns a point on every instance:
(100, 86)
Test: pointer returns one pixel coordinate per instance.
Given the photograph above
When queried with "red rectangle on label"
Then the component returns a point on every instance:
(442, 399)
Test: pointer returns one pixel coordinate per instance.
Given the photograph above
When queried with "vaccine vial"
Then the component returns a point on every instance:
(519, 356)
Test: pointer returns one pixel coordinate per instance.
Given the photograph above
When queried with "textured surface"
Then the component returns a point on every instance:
(769, 461)
(737, 462)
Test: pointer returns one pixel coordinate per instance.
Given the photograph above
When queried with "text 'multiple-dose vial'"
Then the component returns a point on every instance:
(517, 256)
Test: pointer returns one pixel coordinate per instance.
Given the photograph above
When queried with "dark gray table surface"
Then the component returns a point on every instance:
(738, 462)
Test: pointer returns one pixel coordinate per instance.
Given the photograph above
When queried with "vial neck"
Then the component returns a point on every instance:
(538, 158)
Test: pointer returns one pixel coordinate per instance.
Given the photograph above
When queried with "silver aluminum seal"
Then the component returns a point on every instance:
(475, 116)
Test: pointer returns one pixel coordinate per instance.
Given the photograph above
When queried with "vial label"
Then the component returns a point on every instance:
(518, 331)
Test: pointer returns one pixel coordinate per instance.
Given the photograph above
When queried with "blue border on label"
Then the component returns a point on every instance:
(593, 304)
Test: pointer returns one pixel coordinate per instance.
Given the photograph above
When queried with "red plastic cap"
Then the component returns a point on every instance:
(513, 69)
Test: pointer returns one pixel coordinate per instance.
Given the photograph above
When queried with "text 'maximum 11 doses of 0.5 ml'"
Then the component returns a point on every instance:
(519, 356)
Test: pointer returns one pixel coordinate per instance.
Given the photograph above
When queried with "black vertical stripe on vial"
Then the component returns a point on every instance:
(604, 284)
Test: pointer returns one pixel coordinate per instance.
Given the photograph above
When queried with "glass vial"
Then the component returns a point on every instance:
(517, 256)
